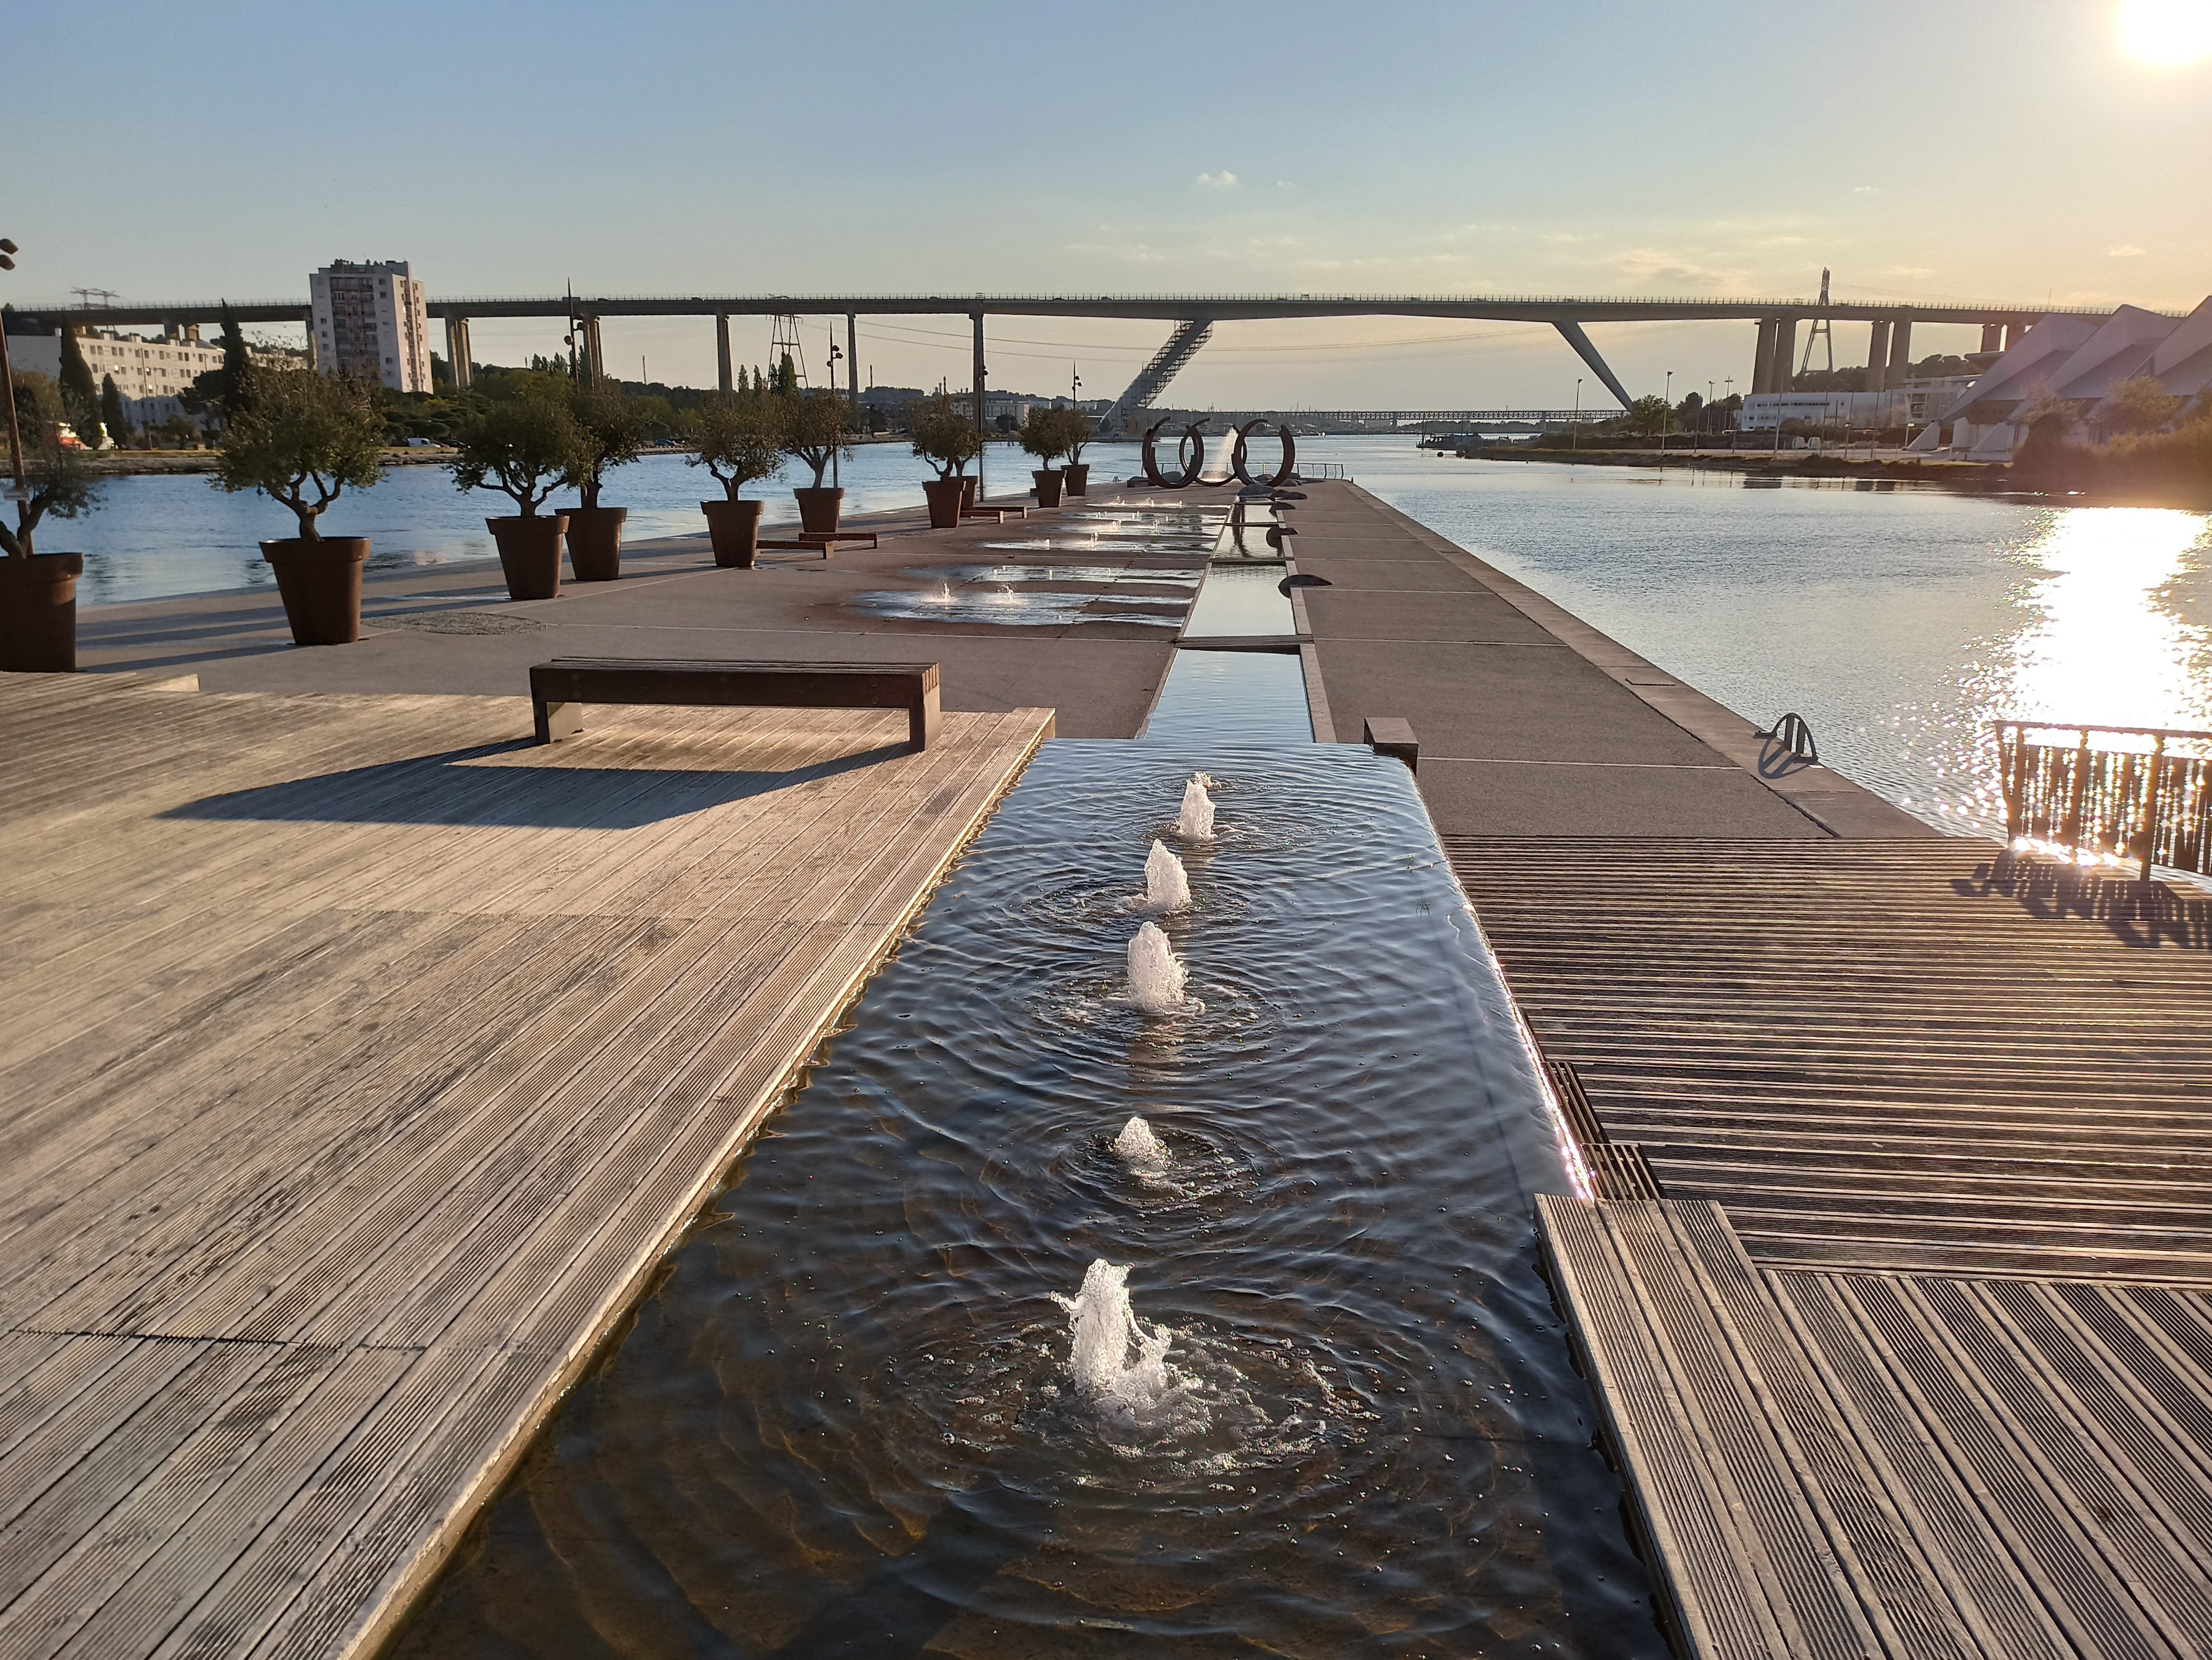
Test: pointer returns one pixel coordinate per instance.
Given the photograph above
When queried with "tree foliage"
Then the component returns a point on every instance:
(300, 438)
(739, 438)
(944, 436)
(1649, 417)
(1044, 433)
(2140, 404)
(814, 427)
(60, 479)
(526, 446)
(111, 411)
(614, 431)
(80, 394)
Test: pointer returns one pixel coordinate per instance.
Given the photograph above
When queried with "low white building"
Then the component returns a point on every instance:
(1764, 412)
(371, 321)
(149, 372)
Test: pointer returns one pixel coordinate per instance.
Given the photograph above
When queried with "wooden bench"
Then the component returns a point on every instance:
(823, 541)
(559, 690)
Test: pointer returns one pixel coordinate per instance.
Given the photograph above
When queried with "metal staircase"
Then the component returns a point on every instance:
(1182, 346)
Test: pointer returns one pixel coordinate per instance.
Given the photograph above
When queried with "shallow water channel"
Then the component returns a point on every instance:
(846, 1422)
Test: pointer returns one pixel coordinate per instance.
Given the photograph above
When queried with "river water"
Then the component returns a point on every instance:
(1897, 622)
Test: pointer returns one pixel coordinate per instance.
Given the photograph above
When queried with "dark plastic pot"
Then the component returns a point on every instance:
(530, 553)
(734, 529)
(320, 584)
(1078, 474)
(1048, 483)
(968, 483)
(818, 508)
(595, 543)
(944, 497)
(38, 613)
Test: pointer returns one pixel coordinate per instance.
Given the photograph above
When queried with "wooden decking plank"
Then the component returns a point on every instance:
(1909, 1600)
(1997, 1601)
(1719, 1597)
(2096, 1608)
(69, 1411)
(1812, 1575)
(2161, 1376)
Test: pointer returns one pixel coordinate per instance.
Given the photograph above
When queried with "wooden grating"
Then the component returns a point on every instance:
(1839, 1462)
(1922, 1055)
(363, 1059)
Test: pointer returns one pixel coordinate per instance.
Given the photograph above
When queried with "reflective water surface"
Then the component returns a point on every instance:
(881, 1403)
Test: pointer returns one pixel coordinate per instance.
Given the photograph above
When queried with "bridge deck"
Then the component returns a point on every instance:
(363, 1059)
(1912, 1355)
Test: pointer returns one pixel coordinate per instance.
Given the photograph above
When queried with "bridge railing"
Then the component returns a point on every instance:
(2119, 793)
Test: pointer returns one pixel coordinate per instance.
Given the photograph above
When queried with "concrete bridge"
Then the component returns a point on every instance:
(1193, 317)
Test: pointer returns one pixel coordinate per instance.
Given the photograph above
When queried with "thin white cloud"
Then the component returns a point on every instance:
(2125, 251)
(1866, 190)
(1222, 180)
(1910, 271)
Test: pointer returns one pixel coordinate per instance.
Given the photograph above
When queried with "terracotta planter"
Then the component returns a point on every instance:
(595, 543)
(320, 584)
(1078, 474)
(818, 508)
(530, 553)
(944, 497)
(38, 613)
(734, 529)
(1048, 483)
(968, 485)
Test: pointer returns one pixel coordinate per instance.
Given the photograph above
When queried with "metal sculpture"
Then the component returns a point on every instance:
(1192, 443)
(1238, 460)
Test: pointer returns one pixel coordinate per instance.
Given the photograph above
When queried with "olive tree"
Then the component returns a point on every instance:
(58, 478)
(525, 447)
(300, 431)
(739, 439)
(814, 428)
(614, 428)
(946, 437)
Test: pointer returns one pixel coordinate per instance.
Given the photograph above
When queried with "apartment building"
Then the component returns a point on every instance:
(149, 373)
(370, 321)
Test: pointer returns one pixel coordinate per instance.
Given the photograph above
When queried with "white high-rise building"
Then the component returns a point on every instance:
(370, 322)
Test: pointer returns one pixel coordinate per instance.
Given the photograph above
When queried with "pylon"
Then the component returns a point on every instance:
(1819, 331)
(783, 337)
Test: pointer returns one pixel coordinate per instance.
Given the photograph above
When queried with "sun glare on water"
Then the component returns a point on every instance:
(2167, 32)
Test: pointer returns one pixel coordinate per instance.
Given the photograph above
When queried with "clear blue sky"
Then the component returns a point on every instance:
(1968, 148)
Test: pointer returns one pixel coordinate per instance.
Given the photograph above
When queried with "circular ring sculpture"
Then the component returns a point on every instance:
(1192, 440)
(1238, 461)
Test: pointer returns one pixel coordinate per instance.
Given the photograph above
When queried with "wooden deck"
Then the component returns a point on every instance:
(363, 1059)
(1908, 1351)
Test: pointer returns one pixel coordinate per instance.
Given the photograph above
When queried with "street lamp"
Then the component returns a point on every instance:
(837, 473)
(1575, 426)
(8, 380)
(1666, 419)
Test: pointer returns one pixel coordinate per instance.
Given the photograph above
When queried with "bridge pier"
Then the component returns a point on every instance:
(594, 366)
(981, 428)
(1573, 335)
(457, 352)
(1877, 371)
(1785, 354)
(2014, 329)
(722, 352)
(1993, 336)
(853, 361)
(1762, 359)
(1900, 350)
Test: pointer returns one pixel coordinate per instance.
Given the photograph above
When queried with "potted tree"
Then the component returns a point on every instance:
(300, 438)
(739, 440)
(814, 427)
(945, 437)
(614, 432)
(1079, 431)
(1044, 435)
(38, 591)
(525, 447)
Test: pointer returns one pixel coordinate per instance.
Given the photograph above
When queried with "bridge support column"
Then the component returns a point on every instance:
(1900, 350)
(2013, 331)
(722, 352)
(1762, 360)
(981, 429)
(314, 361)
(457, 352)
(594, 366)
(1572, 333)
(1877, 370)
(853, 361)
(1992, 337)
(1785, 354)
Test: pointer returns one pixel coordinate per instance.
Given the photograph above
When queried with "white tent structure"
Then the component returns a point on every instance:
(2120, 349)
(2183, 363)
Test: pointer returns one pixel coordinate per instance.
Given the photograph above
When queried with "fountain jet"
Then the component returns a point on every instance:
(1143, 1153)
(1166, 887)
(1195, 823)
(1121, 1370)
(1155, 973)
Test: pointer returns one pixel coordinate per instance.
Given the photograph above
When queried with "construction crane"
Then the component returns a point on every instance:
(86, 297)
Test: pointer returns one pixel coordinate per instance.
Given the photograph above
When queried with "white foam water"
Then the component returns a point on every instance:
(1195, 822)
(1157, 975)
(1143, 1152)
(1119, 1369)
(1167, 885)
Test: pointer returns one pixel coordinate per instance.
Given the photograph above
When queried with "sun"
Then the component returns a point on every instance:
(2167, 32)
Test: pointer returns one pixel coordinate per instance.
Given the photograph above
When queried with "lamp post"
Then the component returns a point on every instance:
(1667, 419)
(1575, 426)
(837, 472)
(8, 380)
(1731, 384)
